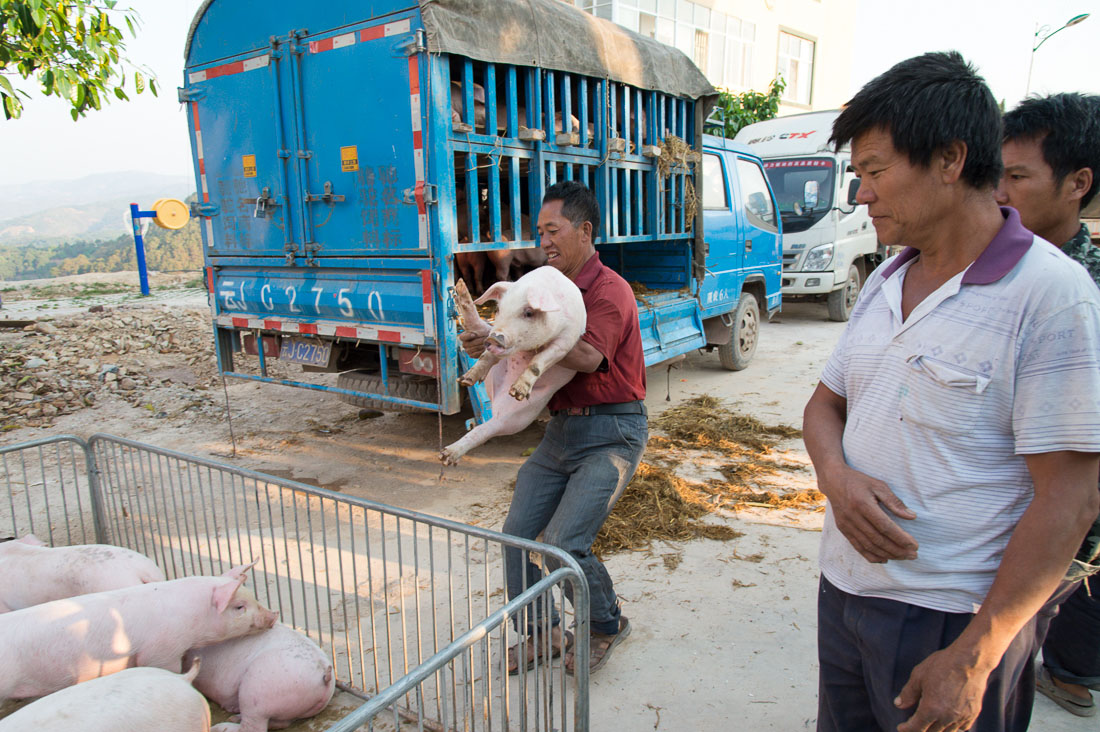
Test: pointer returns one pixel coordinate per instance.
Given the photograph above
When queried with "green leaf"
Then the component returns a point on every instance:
(139, 82)
(7, 85)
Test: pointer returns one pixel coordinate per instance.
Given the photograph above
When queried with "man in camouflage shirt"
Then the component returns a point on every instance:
(1051, 154)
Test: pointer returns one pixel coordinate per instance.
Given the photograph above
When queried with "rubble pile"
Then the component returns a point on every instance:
(159, 359)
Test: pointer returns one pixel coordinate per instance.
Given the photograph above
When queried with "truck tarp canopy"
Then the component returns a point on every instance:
(553, 35)
(543, 33)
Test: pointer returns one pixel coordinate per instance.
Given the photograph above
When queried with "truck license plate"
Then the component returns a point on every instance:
(311, 353)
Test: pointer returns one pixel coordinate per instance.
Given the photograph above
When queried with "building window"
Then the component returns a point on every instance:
(720, 45)
(796, 65)
(701, 55)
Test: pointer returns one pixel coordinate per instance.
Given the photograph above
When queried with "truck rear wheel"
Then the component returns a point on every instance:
(404, 386)
(744, 334)
(843, 300)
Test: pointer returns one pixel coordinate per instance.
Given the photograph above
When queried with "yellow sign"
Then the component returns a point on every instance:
(349, 159)
(249, 165)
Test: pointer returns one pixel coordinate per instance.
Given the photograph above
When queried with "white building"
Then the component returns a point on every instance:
(743, 44)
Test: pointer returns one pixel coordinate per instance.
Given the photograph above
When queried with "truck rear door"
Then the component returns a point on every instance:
(232, 104)
(364, 174)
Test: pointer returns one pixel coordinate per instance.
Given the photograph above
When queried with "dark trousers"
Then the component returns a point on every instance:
(868, 647)
(1071, 651)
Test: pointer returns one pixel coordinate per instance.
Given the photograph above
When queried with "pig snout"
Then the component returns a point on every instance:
(265, 618)
(496, 341)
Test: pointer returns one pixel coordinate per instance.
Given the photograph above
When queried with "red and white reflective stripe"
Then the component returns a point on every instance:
(325, 328)
(202, 177)
(237, 67)
(382, 30)
(327, 44)
(418, 149)
(798, 164)
(429, 308)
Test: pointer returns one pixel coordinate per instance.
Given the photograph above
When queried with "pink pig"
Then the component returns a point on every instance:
(35, 573)
(271, 678)
(540, 317)
(54, 645)
(134, 700)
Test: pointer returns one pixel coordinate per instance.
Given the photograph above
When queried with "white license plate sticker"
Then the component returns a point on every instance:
(309, 352)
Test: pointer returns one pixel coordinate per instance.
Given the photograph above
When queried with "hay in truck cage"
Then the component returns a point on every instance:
(411, 608)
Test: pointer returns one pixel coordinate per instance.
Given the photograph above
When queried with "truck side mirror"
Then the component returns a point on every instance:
(853, 189)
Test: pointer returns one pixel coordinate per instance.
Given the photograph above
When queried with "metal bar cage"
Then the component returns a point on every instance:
(411, 609)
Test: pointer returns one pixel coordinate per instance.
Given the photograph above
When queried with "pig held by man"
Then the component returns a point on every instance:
(539, 319)
(57, 644)
(34, 573)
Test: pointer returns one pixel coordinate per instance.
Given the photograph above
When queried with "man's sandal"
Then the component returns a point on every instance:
(563, 643)
(600, 647)
(1072, 703)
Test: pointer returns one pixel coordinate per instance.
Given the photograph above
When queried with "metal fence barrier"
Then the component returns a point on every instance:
(411, 608)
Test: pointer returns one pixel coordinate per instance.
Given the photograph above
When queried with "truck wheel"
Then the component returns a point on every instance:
(843, 300)
(405, 386)
(744, 334)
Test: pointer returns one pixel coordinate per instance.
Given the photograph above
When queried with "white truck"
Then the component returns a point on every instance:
(829, 243)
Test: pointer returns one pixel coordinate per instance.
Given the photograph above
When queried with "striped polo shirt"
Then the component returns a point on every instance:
(1000, 362)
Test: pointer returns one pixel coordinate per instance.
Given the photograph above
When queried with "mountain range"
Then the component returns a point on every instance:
(93, 207)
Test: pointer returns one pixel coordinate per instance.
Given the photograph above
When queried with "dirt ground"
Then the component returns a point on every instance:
(723, 631)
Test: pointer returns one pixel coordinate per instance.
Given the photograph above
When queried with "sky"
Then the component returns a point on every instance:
(150, 134)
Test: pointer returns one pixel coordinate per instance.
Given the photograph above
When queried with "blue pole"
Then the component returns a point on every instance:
(139, 246)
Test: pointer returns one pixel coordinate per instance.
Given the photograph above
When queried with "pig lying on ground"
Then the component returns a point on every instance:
(57, 644)
(35, 573)
(540, 317)
(134, 700)
(271, 678)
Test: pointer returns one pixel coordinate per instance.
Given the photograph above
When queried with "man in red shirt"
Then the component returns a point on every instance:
(597, 432)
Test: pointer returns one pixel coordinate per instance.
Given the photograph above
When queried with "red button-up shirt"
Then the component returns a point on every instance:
(612, 329)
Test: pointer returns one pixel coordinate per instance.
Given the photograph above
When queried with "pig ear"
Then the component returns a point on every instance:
(32, 540)
(495, 292)
(240, 571)
(543, 300)
(223, 594)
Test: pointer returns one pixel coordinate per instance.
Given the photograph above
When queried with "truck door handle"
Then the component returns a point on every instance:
(748, 245)
(328, 196)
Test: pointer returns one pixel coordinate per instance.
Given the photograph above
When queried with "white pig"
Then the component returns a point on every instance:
(34, 573)
(50, 646)
(134, 700)
(540, 317)
(271, 678)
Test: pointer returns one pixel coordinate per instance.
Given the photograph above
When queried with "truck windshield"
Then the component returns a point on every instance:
(797, 204)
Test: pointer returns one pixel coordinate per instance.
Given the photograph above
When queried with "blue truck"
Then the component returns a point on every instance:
(346, 153)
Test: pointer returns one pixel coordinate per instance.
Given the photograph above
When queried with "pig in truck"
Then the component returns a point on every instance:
(330, 163)
(829, 243)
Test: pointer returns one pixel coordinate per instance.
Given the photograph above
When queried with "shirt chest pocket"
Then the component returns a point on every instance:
(942, 396)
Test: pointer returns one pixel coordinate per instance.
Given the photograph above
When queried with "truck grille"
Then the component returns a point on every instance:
(790, 261)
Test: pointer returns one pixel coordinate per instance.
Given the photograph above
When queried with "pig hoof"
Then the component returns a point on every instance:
(448, 458)
(520, 392)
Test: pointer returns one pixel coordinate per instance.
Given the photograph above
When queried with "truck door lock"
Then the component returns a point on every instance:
(265, 204)
(327, 197)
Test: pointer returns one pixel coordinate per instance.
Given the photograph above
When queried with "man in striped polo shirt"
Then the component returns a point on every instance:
(956, 428)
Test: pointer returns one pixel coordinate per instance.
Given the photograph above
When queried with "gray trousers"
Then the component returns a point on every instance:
(565, 491)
